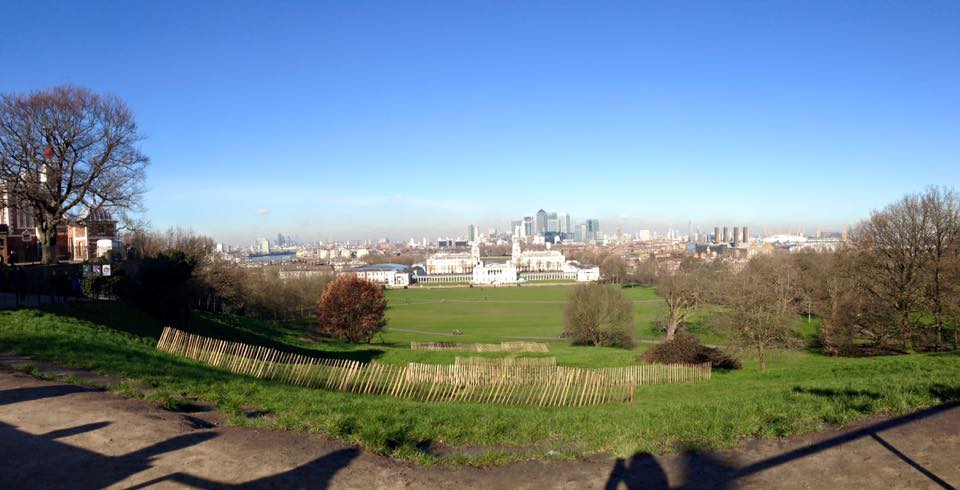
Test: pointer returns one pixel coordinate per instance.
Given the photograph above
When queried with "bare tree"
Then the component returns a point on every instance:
(942, 208)
(645, 271)
(753, 311)
(891, 247)
(598, 314)
(613, 268)
(67, 152)
(683, 291)
(829, 288)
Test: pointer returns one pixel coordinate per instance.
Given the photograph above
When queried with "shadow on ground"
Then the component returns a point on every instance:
(704, 470)
(65, 465)
(89, 469)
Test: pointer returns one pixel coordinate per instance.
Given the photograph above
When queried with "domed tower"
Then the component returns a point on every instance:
(475, 253)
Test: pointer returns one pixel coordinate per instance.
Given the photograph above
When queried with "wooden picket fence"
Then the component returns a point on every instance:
(501, 347)
(512, 362)
(519, 383)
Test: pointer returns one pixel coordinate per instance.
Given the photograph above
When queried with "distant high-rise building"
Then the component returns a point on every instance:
(473, 233)
(716, 234)
(541, 222)
(564, 220)
(746, 235)
(529, 226)
(553, 223)
(264, 245)
(726, 235)
(593, 229)
(736, 236)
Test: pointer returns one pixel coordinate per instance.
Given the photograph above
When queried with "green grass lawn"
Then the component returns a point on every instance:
(496, 314)
(800, 391)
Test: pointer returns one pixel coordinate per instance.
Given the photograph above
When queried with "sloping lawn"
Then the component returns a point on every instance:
(799, 392)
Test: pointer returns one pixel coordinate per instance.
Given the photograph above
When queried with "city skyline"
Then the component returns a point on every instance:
(363, 121)
(653, 232)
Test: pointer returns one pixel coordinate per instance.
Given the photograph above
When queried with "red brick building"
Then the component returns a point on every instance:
(75, 242)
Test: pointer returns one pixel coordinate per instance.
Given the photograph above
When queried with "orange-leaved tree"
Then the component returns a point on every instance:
(351, 309)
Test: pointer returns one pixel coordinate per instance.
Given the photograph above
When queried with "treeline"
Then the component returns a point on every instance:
(894, 287)
(177, 271)
(898, 286)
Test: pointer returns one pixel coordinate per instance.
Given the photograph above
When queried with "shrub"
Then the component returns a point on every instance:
(685, 348)
(160, 286)
(599, 315)
(351, 309)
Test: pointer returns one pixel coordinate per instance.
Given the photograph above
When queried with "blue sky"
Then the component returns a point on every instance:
(368, 119)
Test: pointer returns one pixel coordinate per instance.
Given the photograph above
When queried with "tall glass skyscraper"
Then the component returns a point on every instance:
(593, 229)
(541, 222)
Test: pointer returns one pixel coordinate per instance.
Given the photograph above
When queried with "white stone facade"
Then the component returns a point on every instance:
(389, 275)
(584, 273)
(495, 274)
(450, 263)
(537, 261)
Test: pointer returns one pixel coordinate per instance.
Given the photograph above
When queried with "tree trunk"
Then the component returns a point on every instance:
(939, 335)
(905, 333)
(761, 357)
(672, 325)
(48, 245)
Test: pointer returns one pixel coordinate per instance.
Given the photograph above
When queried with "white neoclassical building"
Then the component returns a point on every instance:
(543, 265)
(537, 260)
(451, 263)
(495, 274)
(389, 275)
(582, 272)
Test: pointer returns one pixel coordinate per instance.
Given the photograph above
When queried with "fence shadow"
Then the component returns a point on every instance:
(17, 395)
(315, 474)
(32, 461)
(40, 461)
(35, 461)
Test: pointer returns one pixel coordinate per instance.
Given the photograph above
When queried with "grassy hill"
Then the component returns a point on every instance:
(801, 391)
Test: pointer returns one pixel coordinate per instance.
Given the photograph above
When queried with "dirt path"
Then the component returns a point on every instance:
(56, 435)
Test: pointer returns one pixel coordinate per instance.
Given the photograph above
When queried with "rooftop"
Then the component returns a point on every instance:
(382, 267)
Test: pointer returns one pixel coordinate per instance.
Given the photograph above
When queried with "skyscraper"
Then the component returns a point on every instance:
(553, 223)
(529, 226)
(564, 220)
(541, 222)
(473, 233)
(592, 230)
(580, 232)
